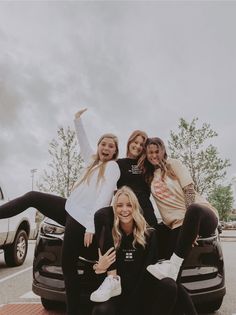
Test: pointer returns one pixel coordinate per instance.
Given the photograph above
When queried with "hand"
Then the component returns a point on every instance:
(195, 243)
(79, 113)
(88, 238)
(105, 261)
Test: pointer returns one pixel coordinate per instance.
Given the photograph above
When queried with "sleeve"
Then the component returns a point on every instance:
(85, 148)
(108, 186)
(151, 248)
(182, 172)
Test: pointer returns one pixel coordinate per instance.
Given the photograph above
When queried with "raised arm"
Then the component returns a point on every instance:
(85, 148)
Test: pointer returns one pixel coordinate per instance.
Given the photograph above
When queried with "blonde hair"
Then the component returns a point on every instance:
(139, 224)
(95, 163)
(132, 137)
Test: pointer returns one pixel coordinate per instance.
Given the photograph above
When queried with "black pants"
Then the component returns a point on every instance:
(104, 219)
(157, 297)
(54, 207)
(199, 220)
(73, 247)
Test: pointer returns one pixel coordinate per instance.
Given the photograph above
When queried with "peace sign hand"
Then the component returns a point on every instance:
(105, 261)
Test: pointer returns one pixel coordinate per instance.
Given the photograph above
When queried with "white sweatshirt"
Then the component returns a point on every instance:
(88, 197)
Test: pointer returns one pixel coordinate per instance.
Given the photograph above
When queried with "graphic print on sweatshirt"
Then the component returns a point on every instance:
(135, 169)
(161, 190)
(128, 254)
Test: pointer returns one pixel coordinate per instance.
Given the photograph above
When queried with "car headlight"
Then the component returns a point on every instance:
(49, 228)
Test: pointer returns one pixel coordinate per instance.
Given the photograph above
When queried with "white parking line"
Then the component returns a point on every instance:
(29, 295)
(15, 274)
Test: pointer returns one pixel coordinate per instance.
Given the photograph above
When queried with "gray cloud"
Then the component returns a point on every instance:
(134, 64)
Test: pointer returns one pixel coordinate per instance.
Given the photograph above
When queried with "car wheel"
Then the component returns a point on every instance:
(210, 307)
(52, 305)
(15, 253)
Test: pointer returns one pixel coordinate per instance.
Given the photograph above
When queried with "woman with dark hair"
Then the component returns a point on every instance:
(136, 247)
(93, 190)
(184, 212)
(131, 176)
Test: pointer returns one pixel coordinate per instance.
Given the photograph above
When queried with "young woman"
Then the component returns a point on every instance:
(131, 176)
(94, 190)
(136, 248)
(184, 212)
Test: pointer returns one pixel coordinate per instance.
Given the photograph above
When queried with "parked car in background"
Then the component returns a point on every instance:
(230, 225)
(15, 232)
(202, 273)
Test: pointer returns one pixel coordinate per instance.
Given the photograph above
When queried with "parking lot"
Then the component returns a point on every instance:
(17, 298)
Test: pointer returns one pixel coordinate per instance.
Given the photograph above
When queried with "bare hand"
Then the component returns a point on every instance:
(105, 261)
(195, 243)
(80, 112)
(88, 238)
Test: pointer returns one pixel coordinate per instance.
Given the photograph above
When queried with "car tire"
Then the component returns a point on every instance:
(52, 305)
(210, 307)
(15, 253)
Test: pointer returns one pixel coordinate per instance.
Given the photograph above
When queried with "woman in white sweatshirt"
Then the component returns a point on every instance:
(93, 191)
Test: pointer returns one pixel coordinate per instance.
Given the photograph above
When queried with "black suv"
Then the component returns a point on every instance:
(202, 273)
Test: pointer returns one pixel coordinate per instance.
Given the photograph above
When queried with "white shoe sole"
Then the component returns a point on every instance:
(105, 298)
(155, 272)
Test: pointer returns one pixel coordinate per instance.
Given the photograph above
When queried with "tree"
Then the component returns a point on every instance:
(222, 199)
(204, 163)
(65, 165)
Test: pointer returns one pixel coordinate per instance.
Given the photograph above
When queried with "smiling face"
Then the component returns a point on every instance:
(153, 153)
(136, 147)
(106, 149)
(124, 211)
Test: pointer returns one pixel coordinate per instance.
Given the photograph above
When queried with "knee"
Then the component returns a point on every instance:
(31, 195)
(195, 209)
(102, 215)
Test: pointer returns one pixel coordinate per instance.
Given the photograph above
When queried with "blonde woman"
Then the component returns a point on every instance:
(131, 176)
(136, 247)
(93, 191)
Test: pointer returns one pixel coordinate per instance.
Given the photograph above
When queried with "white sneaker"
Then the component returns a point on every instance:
(160, 270)
(166, 268)
(110, 287)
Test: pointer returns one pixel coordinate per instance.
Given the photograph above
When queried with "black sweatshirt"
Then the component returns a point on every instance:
(131, 176)
(131, 265)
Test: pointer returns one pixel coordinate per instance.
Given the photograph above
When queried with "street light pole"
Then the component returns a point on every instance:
(33, 171)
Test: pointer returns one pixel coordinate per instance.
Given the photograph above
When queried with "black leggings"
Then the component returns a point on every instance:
(54, 207)
(198, 220)
(49, 205)
(104, 219)
(158, 297)
(73, 247)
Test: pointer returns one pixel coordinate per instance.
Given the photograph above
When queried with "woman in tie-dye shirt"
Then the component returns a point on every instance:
(185, 213)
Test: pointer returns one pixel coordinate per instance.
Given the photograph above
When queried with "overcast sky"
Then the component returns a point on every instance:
(133, 64)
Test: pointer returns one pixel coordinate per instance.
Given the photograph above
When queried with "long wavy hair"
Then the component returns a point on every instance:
(95, 164)
(148, 169)
(140, 226)
(132, 137)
